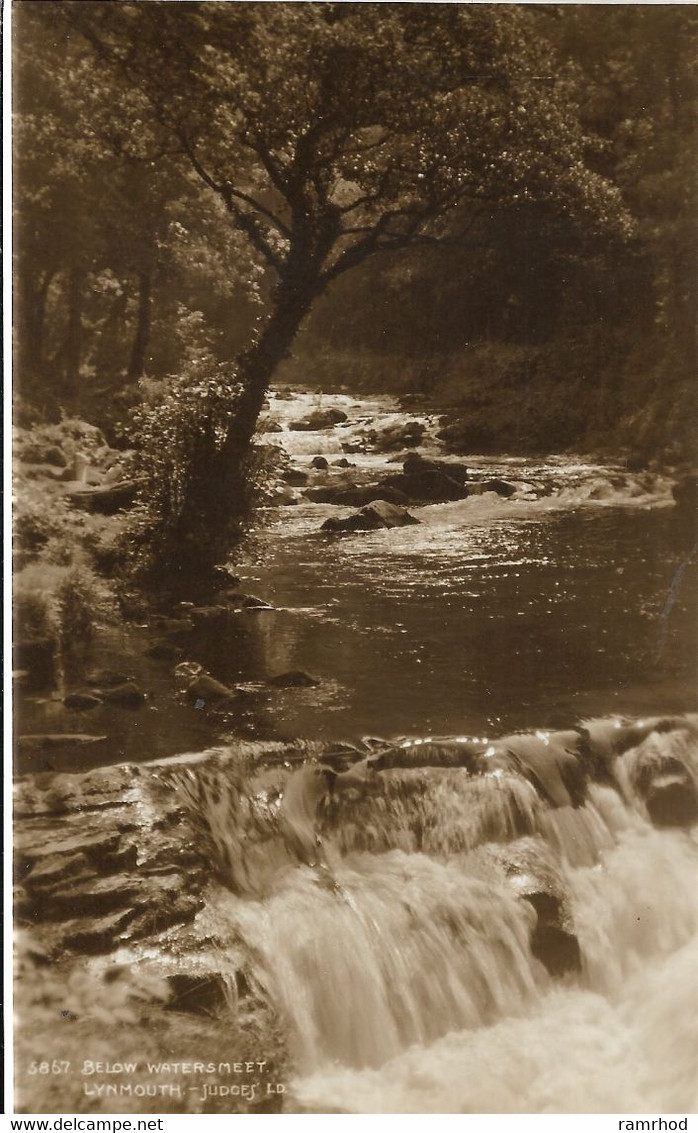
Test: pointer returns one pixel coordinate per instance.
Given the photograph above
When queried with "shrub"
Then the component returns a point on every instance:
(178, 433)
(33, 617)
(34, 525)
(77, 604)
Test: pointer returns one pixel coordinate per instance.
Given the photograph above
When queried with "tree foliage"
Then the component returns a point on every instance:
(240, 159)
(332, 131)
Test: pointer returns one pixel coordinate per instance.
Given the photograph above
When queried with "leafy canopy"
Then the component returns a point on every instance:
(332, 131)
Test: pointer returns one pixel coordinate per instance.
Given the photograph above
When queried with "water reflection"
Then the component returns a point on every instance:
(501, 625)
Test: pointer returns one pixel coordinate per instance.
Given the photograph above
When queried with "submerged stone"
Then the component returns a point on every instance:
(367, 494)
(295, 678)
(58, 739)
(81, 701)
(127, 695)
(106, 678)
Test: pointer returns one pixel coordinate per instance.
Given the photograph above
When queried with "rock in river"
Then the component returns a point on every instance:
(407, 435)
(106, 678)
(57, 739)
(295, 678)
(414, 463)
(428, 485)
(295, 476)
(207, 689)
(320, 419)
(127, 695)
(672, 800)
(501, 487)
(81, 701)
(371, 518)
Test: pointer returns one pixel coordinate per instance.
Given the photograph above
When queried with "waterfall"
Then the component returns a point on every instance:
(448, 939)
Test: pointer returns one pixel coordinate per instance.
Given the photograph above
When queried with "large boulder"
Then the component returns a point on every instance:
(665, 784)
(204, 689)
(501, 487)
(432, 753)
(414, 464)
(295, 476)
(107, 499)
(672, 800)
(127, 695)
(526, 866)
(325, 494)
(403, 435)
(319, 419)
(82, 701)
(283, 496)
(603, 740)
(371, 518)
(427, 485)
(467, 436)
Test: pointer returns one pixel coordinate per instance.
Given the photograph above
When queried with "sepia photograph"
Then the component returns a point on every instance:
(354, 543)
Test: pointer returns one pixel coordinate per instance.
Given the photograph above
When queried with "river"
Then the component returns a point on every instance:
(571, 598)
(405, 964)
(410, 984)
(574, 597)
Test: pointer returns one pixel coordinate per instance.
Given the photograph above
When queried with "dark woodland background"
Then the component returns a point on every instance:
(179, 175)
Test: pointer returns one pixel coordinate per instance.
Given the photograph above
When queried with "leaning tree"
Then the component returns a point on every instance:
(331, 132)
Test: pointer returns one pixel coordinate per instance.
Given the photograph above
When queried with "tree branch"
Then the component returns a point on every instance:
(253, 231)
(225, 190)
(260, 208)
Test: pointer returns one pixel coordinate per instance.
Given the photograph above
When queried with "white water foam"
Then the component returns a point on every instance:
(625, 1041)
(577, 1052)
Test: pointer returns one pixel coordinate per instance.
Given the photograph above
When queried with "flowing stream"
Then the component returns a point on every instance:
(458, 924)
(456, 942)
(576, 596)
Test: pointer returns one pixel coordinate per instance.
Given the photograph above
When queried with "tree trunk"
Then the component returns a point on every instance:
(73, 337)
(30, 318)
(136, 366)
(40, 321)
(217, 498)
(257, 365)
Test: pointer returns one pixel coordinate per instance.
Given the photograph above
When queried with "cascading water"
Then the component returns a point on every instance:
(446, 939)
